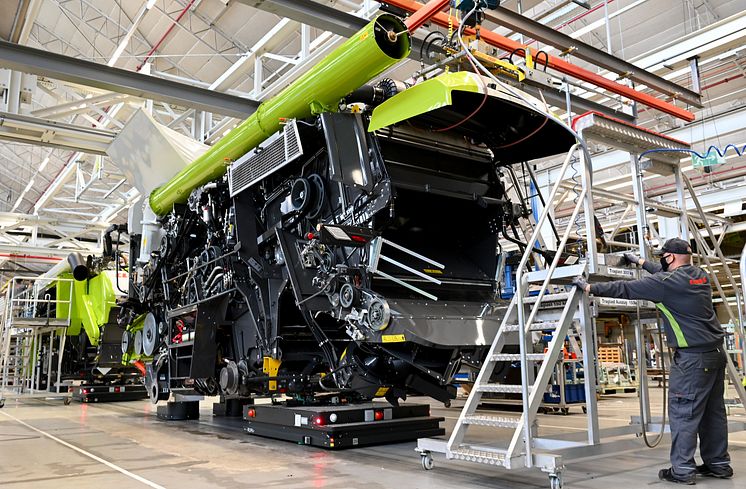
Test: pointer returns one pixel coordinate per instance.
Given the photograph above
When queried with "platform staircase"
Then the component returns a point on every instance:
(557, 314)
(514, 440)
(27, 334)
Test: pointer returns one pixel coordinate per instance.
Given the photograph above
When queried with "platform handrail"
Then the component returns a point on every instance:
(521, 289)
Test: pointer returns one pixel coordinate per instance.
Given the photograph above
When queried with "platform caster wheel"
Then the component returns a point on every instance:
(427, 461)
(447, 404)
(585, 410)
(2, 403)
(565, 411)
(555, 481)
(68, 400)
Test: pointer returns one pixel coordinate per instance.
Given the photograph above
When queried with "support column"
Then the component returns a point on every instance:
(639, 194)
(586, 170)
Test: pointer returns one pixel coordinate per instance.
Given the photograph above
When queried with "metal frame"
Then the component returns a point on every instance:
(507, 18)
(558, 64)
(20, 322)
(526, 448)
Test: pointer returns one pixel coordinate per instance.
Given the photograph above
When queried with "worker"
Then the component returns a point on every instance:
(696, 406)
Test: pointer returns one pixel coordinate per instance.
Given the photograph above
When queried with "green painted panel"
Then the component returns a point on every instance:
(92, 301)
(423, 97)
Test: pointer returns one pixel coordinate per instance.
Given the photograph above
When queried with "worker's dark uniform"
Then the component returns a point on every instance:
(697, 378)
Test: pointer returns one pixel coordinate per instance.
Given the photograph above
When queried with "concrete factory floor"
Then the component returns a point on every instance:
(44, 444)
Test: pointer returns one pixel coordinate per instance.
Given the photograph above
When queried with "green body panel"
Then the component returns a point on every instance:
(423, 97)
(92, 301)
(351, 65)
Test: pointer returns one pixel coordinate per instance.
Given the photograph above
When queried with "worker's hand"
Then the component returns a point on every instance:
(632, 259)
(581, 283)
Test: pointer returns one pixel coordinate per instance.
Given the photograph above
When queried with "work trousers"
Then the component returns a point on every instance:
(696, 407)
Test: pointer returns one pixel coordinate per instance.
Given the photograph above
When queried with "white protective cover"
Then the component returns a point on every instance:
(149, 154)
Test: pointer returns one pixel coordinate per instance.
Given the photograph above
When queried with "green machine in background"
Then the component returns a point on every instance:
(93, 358)
(93, 299)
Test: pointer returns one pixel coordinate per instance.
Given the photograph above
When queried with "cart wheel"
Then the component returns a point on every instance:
(447, 404)
(68, 400)
(565, 411)
(427, 461)
(555, 481)
(2, 403)
(585, 410)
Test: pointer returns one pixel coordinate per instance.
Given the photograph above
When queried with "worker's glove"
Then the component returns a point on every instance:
(580, 282)
(631, 258)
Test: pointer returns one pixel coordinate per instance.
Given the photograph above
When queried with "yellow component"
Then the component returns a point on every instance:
(433, 271)
(381, 391)
(343, 354)
(744, 381)
(500, 66)
(393, 338)
(270, 366)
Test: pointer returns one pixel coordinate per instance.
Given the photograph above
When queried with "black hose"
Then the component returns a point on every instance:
(546, 59)
(640, 358)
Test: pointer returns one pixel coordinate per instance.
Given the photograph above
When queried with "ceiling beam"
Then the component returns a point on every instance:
(87, 73)
(42, 132)
(312, 13)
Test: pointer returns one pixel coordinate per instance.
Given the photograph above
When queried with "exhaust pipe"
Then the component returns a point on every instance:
(78, 266)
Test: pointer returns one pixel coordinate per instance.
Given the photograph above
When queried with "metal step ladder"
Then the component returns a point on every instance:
(551, 312)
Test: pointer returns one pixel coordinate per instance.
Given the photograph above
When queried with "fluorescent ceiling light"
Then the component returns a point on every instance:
(43, 164)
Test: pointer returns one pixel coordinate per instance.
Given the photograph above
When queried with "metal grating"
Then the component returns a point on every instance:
(277, 151)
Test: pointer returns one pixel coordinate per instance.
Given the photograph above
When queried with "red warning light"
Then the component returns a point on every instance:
(117, 389)
(359, 239)
(86, 391)
(378, 415)
(310, 236)
(251, 413)
(318, 421)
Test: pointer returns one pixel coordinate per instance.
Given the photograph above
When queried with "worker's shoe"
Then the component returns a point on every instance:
(724, 472)
(667, 475)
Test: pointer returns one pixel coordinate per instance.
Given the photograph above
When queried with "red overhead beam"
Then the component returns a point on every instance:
(423, 14)
(553, 62)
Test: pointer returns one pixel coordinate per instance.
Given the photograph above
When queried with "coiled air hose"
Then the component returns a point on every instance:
(640, 358)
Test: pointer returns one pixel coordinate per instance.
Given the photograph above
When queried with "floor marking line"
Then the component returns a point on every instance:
(87, 454)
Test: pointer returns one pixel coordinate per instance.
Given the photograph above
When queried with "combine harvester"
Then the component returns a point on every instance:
(76, 302)
(338, 246)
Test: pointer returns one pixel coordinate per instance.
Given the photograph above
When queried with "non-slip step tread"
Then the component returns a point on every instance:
(492, 420)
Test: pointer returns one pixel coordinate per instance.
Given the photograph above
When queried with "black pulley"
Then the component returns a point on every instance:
(149, 334)
(348, 296)
(300, 195)
(317, 191)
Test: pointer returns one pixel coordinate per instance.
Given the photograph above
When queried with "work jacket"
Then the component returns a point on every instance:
(683, 295)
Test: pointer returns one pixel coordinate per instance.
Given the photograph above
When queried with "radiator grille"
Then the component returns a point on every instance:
(277, 151)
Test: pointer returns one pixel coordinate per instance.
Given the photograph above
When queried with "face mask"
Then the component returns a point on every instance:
(664, 264)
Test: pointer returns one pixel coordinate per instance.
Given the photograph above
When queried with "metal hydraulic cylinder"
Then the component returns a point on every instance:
(378, 46)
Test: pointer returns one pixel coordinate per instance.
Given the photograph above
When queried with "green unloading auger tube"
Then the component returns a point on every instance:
(378, 46)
